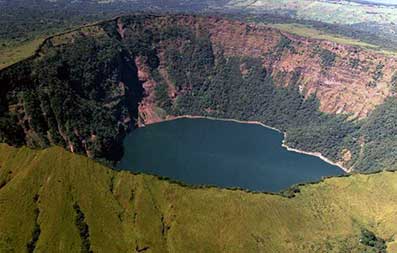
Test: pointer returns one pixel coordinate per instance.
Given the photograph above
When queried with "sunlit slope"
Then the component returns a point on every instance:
(55, 201)
(15, 53)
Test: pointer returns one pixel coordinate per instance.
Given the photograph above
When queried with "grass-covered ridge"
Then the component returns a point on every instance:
(15, 53)
(66, 203)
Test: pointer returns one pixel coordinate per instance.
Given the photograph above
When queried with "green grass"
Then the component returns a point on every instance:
(306, 31)
(125, 212)
(18, 51)
(13, 52)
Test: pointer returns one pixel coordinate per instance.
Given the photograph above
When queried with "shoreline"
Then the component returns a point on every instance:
(223, 119)
(284, 145)
(316, 154)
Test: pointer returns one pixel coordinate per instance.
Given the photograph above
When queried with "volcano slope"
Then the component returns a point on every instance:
(55, 201)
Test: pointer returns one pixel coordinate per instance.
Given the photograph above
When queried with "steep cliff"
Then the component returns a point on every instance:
(345, 79)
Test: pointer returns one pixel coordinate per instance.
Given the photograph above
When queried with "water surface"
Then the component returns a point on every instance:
(221, 153)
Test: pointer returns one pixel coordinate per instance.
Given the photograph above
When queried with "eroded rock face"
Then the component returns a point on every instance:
(346, 79)
(147, 107)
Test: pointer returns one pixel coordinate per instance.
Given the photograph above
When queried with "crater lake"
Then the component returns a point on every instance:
(220, 153)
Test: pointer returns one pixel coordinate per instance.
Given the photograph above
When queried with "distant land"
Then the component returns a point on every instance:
(387, 2)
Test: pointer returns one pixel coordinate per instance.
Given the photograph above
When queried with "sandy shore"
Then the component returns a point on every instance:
(316, 154)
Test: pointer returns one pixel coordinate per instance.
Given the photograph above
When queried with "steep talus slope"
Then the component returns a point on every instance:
(55, 201)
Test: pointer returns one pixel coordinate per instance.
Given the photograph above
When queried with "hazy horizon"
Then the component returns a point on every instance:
(383, 1)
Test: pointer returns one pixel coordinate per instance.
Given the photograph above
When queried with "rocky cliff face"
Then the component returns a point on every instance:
(345, 79)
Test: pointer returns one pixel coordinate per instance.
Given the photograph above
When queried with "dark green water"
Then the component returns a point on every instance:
(221, 153)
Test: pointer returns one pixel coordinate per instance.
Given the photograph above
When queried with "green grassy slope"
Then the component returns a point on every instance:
(61, 202)
(13, 54)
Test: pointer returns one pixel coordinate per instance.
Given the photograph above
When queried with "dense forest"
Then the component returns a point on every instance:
(81, 95)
